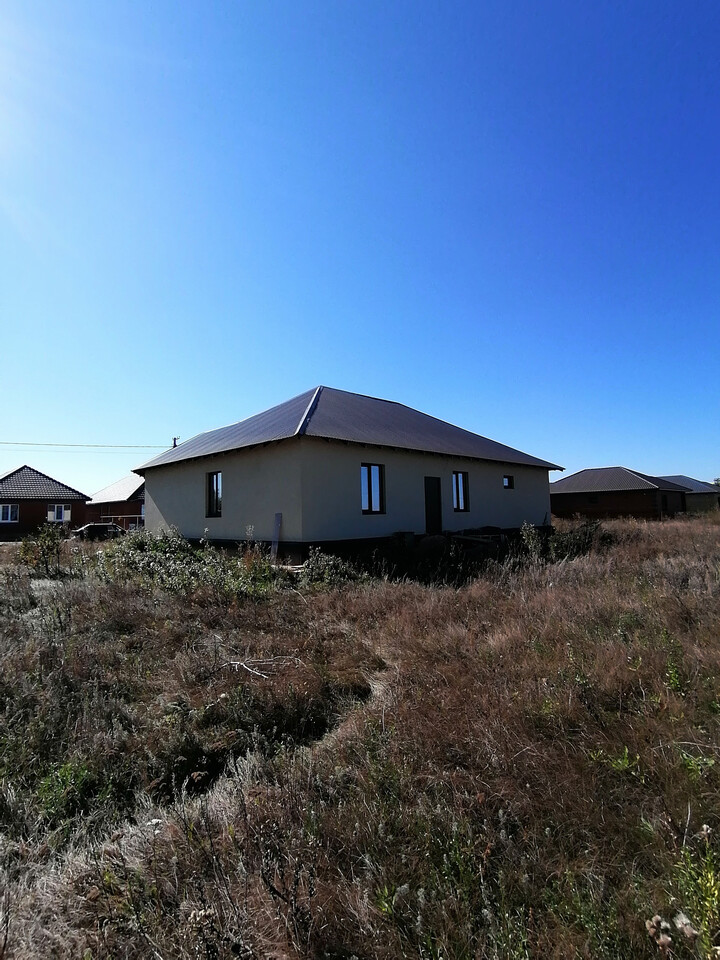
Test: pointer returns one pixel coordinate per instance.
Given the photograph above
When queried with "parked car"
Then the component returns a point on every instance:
(99, 531)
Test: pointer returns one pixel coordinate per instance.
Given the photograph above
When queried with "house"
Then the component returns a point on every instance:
(329, 466)
(123, 502)
(700, 497)
(28, 499)
(616, 492)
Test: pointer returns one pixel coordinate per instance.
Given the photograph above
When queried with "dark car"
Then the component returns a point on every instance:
(99, 531)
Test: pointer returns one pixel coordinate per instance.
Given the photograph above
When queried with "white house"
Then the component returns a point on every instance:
(330, 465)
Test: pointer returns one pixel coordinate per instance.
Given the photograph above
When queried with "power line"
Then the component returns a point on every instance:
(106, 446)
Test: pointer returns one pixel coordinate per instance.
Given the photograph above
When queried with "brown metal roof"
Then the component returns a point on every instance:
(606, 479)
(26, 483)
(340, 415)
(692, 485)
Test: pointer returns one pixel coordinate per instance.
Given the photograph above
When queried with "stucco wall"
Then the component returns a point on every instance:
(331, 488)
(315, 484)
(256, 484)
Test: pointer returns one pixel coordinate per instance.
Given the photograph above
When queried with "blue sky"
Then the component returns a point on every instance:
(505, 214)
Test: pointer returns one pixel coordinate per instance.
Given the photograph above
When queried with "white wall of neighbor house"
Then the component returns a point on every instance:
(256, 484)
(331, 492)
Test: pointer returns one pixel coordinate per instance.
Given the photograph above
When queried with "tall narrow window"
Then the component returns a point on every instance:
(461, 501)
(214, 494)
(509, 481)
(372, 487)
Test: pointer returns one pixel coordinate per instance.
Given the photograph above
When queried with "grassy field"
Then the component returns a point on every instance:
(202, 757)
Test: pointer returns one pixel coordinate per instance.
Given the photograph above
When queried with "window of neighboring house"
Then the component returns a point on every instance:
(8, 513)
(372, 487)
(461, 500)
(214, 494)
(509, 481)
(58, 513)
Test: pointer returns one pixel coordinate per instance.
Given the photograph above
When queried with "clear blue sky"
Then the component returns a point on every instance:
(506, 214)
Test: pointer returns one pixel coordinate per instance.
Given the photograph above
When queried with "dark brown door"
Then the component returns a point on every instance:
(433, 506)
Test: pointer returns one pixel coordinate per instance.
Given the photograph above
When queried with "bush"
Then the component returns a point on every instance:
(326, 569)
(173, 564)
(42, 551)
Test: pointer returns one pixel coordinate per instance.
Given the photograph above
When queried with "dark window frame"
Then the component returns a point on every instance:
(461, 491)
(508, 481)
(367, 487)
(213, 494)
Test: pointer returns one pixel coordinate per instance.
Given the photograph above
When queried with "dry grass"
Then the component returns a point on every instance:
(526, 766)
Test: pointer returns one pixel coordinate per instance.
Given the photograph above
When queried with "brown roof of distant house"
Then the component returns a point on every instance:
(606, 479)
(694, 486)
(351, 417)
(26, 483)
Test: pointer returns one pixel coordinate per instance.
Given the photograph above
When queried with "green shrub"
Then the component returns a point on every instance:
(42, 551)
(326, 569)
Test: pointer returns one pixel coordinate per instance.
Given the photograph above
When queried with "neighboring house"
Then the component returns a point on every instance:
(329, 465)
(700, 497)
(28, 499)
(616, 492)
(123, 502)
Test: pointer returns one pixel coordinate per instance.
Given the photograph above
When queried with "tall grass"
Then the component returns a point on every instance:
(523, 766)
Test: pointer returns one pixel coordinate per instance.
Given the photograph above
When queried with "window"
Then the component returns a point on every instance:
(58, 513)
(8, 513)
(461, 501)
(509, 481)
(214, 494)
(372, 487)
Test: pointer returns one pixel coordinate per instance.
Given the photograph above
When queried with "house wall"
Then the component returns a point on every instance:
(32, 514)
(645, 504)
(256, 484)
(331, 492)
(702, 502)
(127, 513)
(315, 484)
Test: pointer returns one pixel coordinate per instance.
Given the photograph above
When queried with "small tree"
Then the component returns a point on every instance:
(42, 552)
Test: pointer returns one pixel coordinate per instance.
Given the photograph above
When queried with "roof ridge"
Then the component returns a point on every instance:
(309, 411)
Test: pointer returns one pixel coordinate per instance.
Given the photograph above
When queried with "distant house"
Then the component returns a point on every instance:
(700, 497)
(29, 498)
(616, 492)
(330, 466)
(123, 502)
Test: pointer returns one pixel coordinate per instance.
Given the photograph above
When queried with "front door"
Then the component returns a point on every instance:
(433, 506)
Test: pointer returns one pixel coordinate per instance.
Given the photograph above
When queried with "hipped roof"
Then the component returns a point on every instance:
(26, 483)
(607, 479)
(351, 417)
(692, 485)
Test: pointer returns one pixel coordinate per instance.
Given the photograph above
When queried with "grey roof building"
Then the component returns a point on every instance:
(330, 465)
(700, 497)
(692, 485)
(350, 417)
(616, 491)
(607, 479)
(122, 502)
(129, 488)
